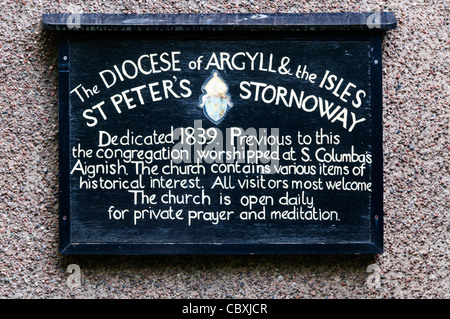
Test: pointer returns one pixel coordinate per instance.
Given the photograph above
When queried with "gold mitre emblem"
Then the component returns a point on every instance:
(216, 86)
(215, 101)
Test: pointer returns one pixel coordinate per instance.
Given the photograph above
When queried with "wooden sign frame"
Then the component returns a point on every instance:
(320, 28)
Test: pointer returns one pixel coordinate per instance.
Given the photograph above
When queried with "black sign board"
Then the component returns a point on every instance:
(220, 134)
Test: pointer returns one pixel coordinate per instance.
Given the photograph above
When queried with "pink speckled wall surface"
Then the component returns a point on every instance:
(416, 148)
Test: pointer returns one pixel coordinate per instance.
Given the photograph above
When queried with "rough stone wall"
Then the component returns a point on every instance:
(416, 177)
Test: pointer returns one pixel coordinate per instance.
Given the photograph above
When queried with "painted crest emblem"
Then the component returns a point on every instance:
(215, 100)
